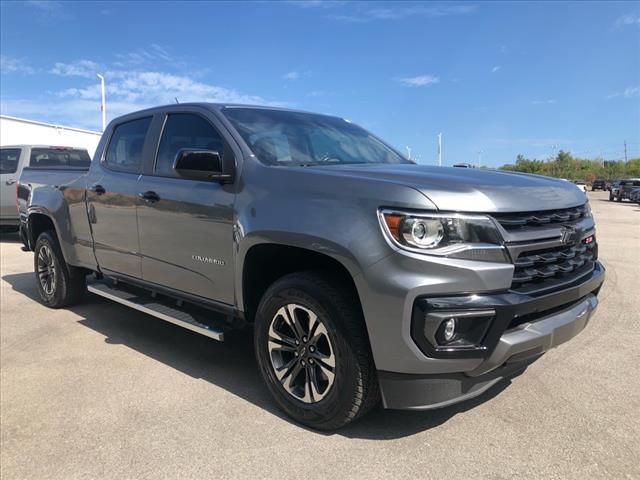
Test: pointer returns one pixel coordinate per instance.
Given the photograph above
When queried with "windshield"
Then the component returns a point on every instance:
(279, 137)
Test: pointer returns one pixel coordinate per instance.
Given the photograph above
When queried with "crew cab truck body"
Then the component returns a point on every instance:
(13, 158)
(366, 277)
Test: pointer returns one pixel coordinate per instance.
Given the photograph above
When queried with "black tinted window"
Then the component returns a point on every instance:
(185, 130)
(59, 157)
(9, 160)
(125, 147)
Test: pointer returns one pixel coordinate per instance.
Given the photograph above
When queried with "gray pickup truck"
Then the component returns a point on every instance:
(365, 277)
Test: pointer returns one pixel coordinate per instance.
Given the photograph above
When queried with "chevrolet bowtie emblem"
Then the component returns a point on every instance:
(567, 235)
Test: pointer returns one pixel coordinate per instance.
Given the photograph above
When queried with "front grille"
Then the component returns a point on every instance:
(540, 271)
(514, 221)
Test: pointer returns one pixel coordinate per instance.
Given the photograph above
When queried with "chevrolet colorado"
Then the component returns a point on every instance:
(365, 277)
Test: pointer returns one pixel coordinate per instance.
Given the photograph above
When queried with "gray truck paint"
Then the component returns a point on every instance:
(331, 210)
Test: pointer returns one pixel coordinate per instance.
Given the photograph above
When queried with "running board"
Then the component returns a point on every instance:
(156, 308)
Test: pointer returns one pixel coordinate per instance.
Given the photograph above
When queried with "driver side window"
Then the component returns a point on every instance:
(185, 130)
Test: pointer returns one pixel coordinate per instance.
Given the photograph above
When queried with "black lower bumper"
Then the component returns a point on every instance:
(428, 392)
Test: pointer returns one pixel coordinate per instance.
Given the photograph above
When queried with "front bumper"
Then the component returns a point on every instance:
(508, 348)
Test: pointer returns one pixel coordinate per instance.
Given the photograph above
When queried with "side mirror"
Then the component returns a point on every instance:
(199, 164)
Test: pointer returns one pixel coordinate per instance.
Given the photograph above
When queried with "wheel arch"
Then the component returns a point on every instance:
(264, 263)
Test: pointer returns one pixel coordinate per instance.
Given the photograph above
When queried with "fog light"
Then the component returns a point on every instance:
(449, 329)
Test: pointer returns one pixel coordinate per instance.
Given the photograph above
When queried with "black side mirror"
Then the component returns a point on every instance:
(199, 164)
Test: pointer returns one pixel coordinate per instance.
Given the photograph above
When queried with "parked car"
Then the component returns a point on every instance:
(621, 190)
(366, 277)
(634, 196)
(598, 184)
(14, 158)
(581, 185)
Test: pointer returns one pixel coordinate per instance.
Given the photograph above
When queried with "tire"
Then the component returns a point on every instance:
(334, 402)
(610, 197)
(618, 199)
(59, 285)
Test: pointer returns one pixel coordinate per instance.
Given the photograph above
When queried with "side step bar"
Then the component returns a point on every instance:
(154, 307)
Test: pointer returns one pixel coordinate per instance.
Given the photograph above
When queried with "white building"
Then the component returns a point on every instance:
(18, 131)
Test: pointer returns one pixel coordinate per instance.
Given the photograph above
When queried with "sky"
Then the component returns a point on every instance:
(496, 79)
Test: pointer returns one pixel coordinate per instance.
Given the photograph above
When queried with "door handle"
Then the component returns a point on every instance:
(149, 196)
(11, 181)
(98, 189)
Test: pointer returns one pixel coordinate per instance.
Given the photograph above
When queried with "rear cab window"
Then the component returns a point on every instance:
(9, 158)
(124, 152)
(59, 157)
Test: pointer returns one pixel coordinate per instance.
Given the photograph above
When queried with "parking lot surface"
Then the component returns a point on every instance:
(101, 391)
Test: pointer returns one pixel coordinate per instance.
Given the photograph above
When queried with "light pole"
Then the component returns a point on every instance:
(439, 149)
(103, 106)
(479, 158)
(408, 152)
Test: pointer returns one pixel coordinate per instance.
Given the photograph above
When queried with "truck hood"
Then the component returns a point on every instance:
(470, 189)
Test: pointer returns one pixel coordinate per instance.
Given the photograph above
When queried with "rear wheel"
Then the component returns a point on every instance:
(59, 284)
(313, 351)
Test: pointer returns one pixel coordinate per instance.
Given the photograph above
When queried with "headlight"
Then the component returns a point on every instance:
(472, 237)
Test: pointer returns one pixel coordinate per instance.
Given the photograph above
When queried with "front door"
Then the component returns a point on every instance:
(112, 198)
(185, 225)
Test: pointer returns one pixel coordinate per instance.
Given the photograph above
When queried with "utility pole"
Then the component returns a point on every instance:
(625, 151)
(103, 106)
(440, 149)
(408, 152)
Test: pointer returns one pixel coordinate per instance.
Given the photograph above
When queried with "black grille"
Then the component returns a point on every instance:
(539, 271)
(513, 221)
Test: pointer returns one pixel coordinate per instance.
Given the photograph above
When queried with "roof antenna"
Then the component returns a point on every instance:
(176, 99)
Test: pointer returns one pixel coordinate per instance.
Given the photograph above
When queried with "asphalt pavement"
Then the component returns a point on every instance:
(102, 391)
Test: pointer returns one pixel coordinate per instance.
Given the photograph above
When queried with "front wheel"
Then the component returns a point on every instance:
(59, 285)
(313, 351)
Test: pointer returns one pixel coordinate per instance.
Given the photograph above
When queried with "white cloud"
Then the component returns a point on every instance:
(419, 81)
(45, 5)
(550, 101)
(398, 13)
(14, 65)
(79, 68)
(48, 10)
(127, 91)
(316, 3)
(293, 75)
(628, 19)
(627, 92)
(496, 68)
(150, 55)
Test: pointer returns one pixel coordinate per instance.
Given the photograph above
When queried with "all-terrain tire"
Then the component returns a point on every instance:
(355, 388)
(59, 285)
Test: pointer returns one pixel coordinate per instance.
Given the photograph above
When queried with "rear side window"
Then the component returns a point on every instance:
(185, 130)
(124, 152)
(9, 160)
(59, 158)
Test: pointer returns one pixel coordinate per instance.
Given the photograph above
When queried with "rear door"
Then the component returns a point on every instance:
(185, 226)
(112, 197)
(9, 173)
